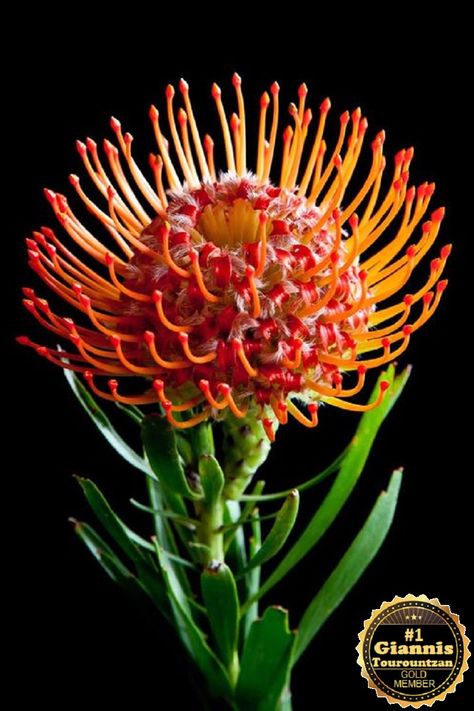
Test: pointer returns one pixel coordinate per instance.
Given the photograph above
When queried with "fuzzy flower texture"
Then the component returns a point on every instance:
(250, 288)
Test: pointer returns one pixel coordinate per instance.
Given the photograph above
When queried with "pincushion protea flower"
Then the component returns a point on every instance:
(227, 291)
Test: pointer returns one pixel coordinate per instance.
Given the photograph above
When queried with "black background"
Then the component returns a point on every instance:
(74, 636)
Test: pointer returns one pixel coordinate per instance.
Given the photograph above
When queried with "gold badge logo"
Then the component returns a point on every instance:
(413, 651)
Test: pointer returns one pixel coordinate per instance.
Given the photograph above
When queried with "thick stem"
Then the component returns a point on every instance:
(209, 532)
(246, 447)
(209, 512)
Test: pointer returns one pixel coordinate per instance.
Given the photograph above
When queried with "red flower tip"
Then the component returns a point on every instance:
(88, 376)
(354, 220)
(446, 251)
(408, 299)
(183, 86)
(399, 158)
(115, 341)
(384, 385)
(407, 330)
(362, 369)
(91, 145)
(302, 91)
(441, 285)
(236, 80)
(81, 148)
(148, 337)
(113, 385)
(29, 305)
(428, 297)
(50, 195)
(115, 124)
(215, 91)
(24, 341)
(153, 113)
(169, 91)
(344, 118)
(438, 215)
(363, 126)
(325, 106)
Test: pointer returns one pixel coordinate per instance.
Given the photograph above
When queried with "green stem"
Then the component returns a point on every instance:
(209, 531)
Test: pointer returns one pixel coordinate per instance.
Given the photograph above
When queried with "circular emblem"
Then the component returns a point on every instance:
(413, 651)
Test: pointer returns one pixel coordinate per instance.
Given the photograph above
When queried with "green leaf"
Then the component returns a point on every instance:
(149, 582)
(308, 484)
(219, 593)
(252, 578)
(201, 439)
(184, 449)
(159, 441)
(236, 551)
(212, 479)
(163, 530)
(266, 662)
(351, 469)
(279, 532)
(193, 638)
(98, 547)
(109, 519)
(134, 413)
(351, 566)
(103, 423)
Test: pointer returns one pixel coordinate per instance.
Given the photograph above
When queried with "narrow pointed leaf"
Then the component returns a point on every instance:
(212, 479)
(266, 662)
(163, 531)
(98, 547)
(252, 577)
(279, 532)
(103, 423)
(193, 639)
(134, 413)
(351, 566)
(351, 469)
(159, 441)
(109, 519)
(148, 583)
(219, 593)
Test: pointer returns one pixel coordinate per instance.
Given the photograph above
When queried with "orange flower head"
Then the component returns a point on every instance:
(224, 291)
